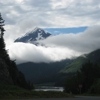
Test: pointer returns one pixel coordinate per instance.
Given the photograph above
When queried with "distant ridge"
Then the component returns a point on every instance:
(77, 63)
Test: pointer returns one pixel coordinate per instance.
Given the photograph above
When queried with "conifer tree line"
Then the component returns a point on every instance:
(17, 76)
(88, 78)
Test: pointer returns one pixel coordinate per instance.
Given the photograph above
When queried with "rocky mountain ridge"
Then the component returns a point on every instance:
(33, 36)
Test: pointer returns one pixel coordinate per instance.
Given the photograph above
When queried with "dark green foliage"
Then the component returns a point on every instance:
(40, 73)
(13, 71)
(17, 77)
(87, 75)
(13, 93)
(1, 26)
(3, 52)
(72, 85)
(90, 73)
(22, 82)
(10, 92)
(2, 45)
(95, 88)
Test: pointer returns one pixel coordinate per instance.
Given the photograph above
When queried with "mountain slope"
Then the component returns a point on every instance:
(40, 73)
(5, 77)
(94, 57)
(33, 36)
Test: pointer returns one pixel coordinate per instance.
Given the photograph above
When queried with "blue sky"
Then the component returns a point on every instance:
(56, 31)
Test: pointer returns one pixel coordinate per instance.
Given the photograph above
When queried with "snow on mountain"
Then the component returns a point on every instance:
(33, 36)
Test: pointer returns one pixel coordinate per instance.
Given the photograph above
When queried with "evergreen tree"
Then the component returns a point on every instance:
(87, 76)
(2, 44)
(90, 73)
(3, 52)
(1, 26)
(17, 77)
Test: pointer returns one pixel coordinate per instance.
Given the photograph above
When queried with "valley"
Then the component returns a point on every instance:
(52, 72)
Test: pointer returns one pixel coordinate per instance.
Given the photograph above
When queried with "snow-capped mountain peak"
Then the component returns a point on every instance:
(33, 36)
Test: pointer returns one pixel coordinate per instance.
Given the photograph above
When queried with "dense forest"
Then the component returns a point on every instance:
(87, 80)
(9, 73)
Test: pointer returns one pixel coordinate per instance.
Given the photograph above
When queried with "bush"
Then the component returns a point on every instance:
(95, 88)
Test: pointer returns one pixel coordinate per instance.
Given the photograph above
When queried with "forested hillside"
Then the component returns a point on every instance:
(9, 74)
(56, 72)
(40, 73)
(76, 64)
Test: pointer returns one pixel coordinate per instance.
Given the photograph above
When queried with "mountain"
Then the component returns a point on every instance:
(56, 72)
(33, 36)
(76, 64)
(40, 73)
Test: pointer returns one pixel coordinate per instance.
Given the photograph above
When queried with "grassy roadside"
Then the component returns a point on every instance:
(32, 94)
(13, 92)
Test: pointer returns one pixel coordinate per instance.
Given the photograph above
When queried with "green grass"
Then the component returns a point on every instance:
(14, 92)
(74, 66)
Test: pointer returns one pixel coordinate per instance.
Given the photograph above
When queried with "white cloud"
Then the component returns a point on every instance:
(52, 13)
(25, 52)
(82, 42)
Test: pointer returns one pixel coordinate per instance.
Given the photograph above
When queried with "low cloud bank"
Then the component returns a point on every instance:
(25, 52)
(84, 42)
